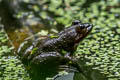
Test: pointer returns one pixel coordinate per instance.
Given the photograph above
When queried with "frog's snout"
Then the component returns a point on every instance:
(87, 26)
(84, 28)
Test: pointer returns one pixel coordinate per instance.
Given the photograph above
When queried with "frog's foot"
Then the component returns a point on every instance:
(68, 56)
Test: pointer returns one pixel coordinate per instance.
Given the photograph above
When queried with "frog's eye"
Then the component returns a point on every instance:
(75, 22)
(87, 26)
(80, 28)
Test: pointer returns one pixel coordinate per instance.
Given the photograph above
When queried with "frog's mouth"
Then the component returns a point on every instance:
(89, 28)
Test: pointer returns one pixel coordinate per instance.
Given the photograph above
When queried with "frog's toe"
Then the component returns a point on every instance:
(68, 68)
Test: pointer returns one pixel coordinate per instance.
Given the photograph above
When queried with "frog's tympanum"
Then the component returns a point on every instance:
(48, 54)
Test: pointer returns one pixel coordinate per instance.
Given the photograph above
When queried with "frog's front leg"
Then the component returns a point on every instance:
(73, 62)
(70, 54)
(67, 55)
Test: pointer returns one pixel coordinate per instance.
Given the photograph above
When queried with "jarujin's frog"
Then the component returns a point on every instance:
(54, 51)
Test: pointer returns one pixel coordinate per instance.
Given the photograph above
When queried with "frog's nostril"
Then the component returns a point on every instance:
(87, 25)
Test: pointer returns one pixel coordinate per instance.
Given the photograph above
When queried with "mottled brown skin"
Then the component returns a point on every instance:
(49, 51)
(67, 39)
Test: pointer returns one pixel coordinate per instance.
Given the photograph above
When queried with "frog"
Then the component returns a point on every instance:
(57, 50)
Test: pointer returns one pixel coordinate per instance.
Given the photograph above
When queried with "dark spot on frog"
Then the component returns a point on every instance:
(75, 22)
(49, 53)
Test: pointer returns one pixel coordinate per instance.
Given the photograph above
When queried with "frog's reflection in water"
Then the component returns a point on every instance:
(93, 75)
(87, 74)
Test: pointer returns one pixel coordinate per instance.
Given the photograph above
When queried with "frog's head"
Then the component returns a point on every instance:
(82, 29)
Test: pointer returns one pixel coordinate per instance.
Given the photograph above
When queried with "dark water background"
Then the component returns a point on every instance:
(19, 30)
